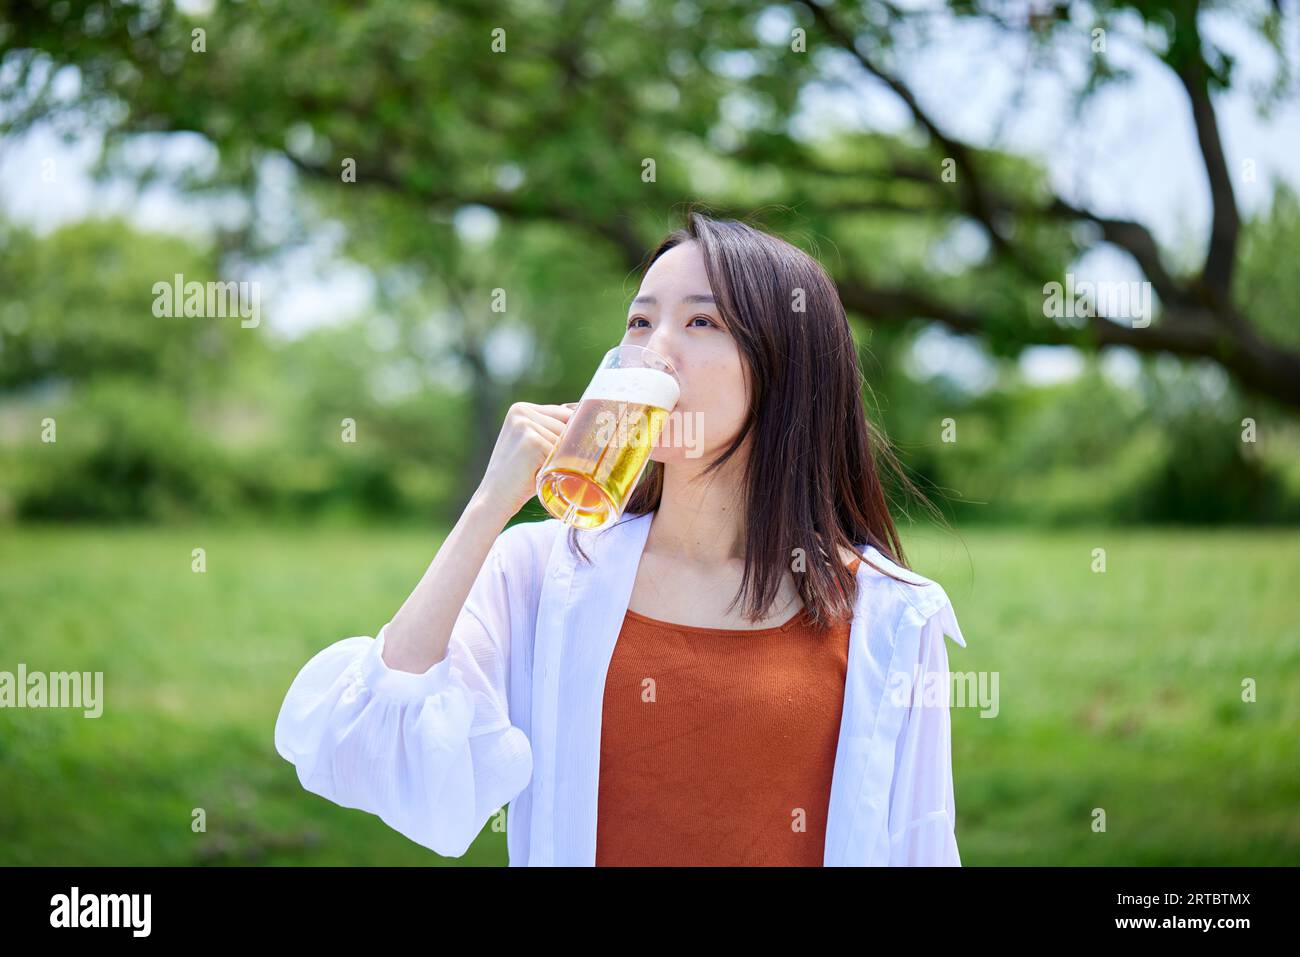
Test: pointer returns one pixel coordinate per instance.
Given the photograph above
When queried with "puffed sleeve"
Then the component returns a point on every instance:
(433, 755)
(922, 813)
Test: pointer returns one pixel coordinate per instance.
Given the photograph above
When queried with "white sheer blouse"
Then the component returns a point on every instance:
(511, 716)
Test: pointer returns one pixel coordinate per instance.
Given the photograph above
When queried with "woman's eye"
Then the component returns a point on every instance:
(631, 323)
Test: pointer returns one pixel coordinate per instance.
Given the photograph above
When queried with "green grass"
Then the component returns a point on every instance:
(1119, 691)
(1122, 690)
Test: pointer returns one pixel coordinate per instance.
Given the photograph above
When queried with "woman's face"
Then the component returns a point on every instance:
(674, 315)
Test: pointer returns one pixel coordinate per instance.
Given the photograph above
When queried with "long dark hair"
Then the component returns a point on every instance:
(810, 481)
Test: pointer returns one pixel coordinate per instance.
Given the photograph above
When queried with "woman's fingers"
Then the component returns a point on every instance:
(553, 417)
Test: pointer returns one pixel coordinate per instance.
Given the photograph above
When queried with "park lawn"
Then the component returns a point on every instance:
(1119, 693)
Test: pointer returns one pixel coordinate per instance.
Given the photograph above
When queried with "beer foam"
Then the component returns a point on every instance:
(648, 386)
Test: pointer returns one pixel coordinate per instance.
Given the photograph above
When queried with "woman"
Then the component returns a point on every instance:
(741, 670)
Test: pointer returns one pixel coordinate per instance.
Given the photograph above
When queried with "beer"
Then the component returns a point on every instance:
(603, 450)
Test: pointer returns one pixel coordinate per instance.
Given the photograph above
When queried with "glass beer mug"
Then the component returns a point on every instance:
(602, 452)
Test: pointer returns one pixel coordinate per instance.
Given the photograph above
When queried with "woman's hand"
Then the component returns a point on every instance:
(527, 437)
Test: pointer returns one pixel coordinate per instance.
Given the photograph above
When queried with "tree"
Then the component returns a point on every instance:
(599, 117)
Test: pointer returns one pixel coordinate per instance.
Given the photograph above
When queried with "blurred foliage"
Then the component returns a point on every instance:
(74, 304)
(1267, 288)
(1089, 450)
(1167, 447)
(497, 205)
(121, 453)
(166, 419)
(162, 418)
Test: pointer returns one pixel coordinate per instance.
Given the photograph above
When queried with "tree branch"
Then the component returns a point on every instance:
(1221, 257)
(1256, 364)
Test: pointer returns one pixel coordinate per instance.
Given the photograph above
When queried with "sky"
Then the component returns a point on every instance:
(1131, 153)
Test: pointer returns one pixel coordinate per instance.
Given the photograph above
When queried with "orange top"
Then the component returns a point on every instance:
(717, 745)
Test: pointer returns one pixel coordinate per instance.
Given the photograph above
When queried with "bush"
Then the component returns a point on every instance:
(124, 452)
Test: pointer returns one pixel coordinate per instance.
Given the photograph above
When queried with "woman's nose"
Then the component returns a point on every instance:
(663, 344)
